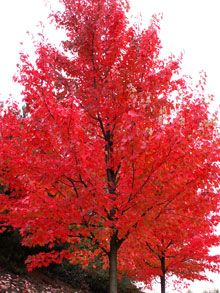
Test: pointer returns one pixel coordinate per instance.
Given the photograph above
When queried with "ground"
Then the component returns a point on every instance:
(35, 282)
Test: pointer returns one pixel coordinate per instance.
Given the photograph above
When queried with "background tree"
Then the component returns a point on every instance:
(177, 244)
(111, 138)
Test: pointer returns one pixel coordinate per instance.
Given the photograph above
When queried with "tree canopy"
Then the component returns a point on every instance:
(115, 154)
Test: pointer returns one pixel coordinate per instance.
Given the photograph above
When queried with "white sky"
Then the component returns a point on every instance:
(189, 26)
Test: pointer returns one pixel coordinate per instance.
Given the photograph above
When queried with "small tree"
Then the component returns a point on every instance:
(177, 244)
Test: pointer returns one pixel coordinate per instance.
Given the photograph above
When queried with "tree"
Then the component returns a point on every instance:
(178, 244)
(106, 122)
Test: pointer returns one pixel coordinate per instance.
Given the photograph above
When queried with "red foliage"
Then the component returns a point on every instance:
(178, 243)
(112, 142)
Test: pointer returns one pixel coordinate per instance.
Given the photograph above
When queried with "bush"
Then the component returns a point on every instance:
(88, 279)
(12, 254)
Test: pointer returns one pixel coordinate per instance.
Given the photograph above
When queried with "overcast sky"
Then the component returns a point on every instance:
(188, 26)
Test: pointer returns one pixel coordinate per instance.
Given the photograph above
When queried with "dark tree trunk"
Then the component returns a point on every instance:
(111, 175)
(163, 276)
(163, 284)
(113, 265)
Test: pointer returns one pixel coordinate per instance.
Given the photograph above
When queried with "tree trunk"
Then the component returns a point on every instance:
(163, 276)
(163, 284)
(113, 265)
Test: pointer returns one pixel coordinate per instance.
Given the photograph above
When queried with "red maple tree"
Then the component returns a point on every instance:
(111, 138)
(177, 244)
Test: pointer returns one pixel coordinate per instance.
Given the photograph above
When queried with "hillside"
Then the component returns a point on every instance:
(33, 283)
(63, 278)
